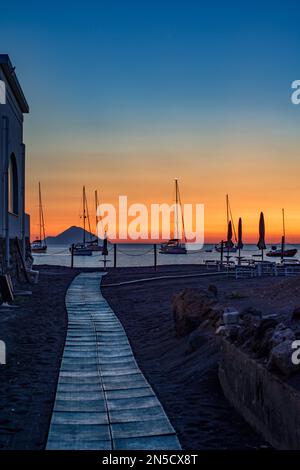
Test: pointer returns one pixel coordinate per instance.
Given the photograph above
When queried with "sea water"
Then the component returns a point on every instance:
(143, 255)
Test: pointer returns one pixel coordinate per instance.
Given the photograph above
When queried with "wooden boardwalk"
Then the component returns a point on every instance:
(103, 401)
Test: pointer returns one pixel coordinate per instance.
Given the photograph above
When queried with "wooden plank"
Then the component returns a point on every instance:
(103, 400)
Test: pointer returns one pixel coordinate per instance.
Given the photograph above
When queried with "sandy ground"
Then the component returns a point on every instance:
(34, 335)
(186, 384)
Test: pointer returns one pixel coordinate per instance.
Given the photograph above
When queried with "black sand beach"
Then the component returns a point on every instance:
(186, 383)
(34, 335)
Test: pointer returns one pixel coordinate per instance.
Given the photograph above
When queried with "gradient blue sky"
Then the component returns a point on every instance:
(119, 88)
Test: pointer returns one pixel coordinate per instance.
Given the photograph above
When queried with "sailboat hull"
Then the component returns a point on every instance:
(81, 250)
(173, 251)
(232, 249)
(82, 253)
(172, 247)
(42, 249)
(94, 247)
(286, 253)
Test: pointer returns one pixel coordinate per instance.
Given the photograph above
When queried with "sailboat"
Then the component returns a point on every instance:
(39, 245)
(94, 244)
(82, 249)
(228, 246)
(282, 252)
(175, 246)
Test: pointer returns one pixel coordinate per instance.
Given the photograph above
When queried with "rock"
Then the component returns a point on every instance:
(232, 332)
(282, 333)
(265, 346)
(249, 324)
(251, 311)
(219, 322)
(251, 321)
(255, 335)
(296, 314)
(281, 359)
(231, 317)
(215, 315)
(221, 330)
(204, 325)
(263, 327)
(236, 295)
(190, 308)
(262, 343)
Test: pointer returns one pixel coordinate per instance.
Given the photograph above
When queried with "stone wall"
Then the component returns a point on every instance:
(267, 403)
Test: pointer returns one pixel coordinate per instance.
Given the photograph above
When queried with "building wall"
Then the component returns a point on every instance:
(14, 146)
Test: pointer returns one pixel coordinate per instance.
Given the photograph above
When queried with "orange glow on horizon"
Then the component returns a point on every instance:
(257, 177)
(60, 216)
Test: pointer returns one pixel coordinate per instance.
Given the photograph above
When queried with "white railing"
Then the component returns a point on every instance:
(267, 269)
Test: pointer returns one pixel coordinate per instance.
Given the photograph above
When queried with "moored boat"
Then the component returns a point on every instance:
(290, 253)
(175, 246)
(93, 245)
(226, 247)
(82, 249)
(282, 252)
(39, 245)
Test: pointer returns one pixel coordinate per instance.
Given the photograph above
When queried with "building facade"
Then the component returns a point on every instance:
(14, 222)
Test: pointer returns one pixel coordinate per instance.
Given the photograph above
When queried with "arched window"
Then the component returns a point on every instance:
(13, 191)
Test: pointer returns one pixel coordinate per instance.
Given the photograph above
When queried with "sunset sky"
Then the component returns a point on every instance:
(125, 96)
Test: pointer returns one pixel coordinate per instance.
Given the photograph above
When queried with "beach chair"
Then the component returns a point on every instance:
(6, 290)
(209, 263)
(245, 272)
(291, 269)
(8, 293)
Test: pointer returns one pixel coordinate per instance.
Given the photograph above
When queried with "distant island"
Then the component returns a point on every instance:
(70, 235)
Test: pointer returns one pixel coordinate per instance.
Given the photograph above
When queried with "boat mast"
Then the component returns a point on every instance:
(176, 213)
(229, 217)
(182, 215)
(40, 212)
(227, 208)
(283, 235)
(96, 205)
(84, 214)
(283, 223)
(88, 218)
(42, 216)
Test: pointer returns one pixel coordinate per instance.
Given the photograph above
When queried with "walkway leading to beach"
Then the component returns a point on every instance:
(103, 401)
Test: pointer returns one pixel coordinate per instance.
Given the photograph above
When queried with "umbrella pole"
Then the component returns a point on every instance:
(239, 256)
(222, 251)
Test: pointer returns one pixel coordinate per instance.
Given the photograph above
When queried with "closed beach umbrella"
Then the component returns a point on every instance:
(229, 235)
(282, 247)
(104, 248)
(283, 236)
(240, 244)
(261, 242)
